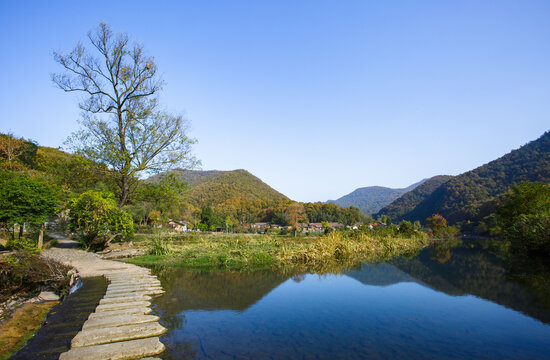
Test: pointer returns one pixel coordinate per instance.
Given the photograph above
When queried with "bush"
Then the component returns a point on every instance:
(22, 243)
(157, 246)
(98, 220)
(26, 272)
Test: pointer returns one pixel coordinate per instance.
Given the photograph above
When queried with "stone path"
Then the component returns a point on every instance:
(121, 327)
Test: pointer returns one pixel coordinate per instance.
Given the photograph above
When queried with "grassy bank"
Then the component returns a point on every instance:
(333, 252)
(23, 274)
(21, 326)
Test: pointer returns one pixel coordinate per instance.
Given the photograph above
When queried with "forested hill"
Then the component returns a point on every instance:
(373, 198)
(400, 208)
(194, 177)
(462, 197)
(217, 187)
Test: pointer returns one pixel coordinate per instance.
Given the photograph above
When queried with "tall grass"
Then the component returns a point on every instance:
(334, 252)
(343, 250)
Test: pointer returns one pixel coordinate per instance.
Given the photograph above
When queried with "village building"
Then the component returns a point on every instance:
(181, 226)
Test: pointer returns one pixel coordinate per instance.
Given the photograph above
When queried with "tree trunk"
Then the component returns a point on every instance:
(41, 238)
(125, 190)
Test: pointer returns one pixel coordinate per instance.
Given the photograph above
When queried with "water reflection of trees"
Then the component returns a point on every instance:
(216, 290)
(487, 271)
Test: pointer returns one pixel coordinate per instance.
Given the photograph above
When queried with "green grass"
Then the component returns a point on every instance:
(327, 253)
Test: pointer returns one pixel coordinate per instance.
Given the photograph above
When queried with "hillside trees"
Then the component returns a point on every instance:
(122, 125)
(165, 197)
(10, 147)
(296, 214)
(25, 200)
(525, 217)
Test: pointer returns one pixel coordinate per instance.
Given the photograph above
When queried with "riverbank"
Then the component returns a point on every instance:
(120, 327)
(117, 324)
(30, 286)
(333, 252)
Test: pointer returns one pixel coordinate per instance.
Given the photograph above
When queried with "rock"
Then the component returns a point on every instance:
(48, 296)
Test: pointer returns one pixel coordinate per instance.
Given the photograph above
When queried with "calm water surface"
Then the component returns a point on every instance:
(460, 302)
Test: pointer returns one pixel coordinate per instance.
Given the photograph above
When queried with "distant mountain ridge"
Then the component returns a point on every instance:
(473, 194)
(372, 198)
(399, 208)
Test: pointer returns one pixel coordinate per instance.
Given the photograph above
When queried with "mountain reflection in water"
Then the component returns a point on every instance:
(447, 302)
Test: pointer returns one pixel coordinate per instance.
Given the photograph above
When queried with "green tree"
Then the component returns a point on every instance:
(165, 195)
(437, 223)
(25, 200)
(295, 214)
(98, 219)
(406, 228)
(525, 217)
(122, 125)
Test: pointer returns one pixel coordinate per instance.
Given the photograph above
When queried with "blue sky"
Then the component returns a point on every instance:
(316, 98)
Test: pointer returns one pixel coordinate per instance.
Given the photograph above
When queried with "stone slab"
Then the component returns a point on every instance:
(133, 281)
(134, 292)
(124, 299)
(120, 320)
(132, 286)
(122, 306)
(116, 334)
(130, 282)
(125, 350)
(131, 277)
(132, 311)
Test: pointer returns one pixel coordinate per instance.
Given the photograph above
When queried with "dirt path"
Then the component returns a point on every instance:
(121, 327)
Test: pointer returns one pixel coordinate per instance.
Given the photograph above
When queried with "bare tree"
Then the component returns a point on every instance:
(10, 146)
(122, 125)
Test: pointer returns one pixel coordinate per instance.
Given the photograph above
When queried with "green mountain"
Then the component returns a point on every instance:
(471, 195)
(398, 209)
(196, 177)
(225, 187)
(372, 198)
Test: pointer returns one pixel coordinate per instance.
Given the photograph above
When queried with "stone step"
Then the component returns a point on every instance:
(131, 277)
(150, 291)
(122, 306)
(116, 334)
(118, 321)
(133, 286)
(133, 311)
(125, 350)
(124, 299)
(132, 282)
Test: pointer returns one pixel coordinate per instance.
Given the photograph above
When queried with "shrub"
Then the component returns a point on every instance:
(157, 246)
(97, 218)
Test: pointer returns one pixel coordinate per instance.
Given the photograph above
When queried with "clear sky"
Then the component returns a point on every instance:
(314, 97)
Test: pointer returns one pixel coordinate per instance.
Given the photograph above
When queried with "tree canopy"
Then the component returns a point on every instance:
(25, 200)
(524, 218)
(122, 125)
(97, 218)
